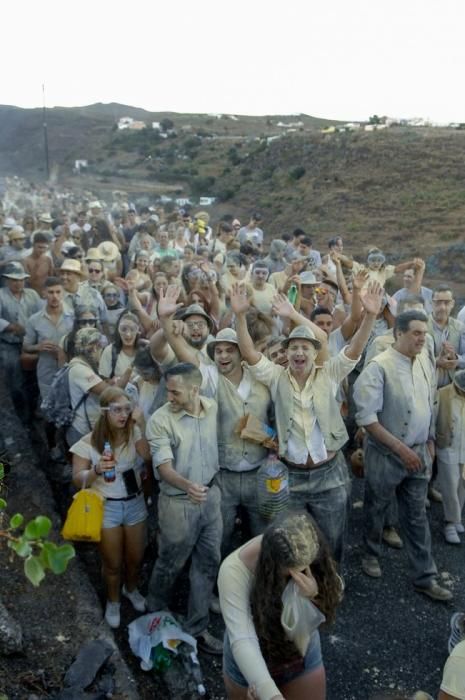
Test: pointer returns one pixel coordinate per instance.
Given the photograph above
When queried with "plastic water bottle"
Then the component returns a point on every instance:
(192, 667)
(292, 294)
(107, 455)
(273, 487)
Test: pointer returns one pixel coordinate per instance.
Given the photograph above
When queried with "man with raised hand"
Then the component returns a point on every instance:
(310, 429)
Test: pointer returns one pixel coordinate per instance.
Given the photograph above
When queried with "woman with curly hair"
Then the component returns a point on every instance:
(259, 660)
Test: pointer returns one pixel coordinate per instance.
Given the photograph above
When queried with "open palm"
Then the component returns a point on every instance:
(167, 303)
(238, 299)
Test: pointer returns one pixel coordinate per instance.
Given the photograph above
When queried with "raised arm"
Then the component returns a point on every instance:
(167, 306)
(419, 271)
(240, 305)
(371, 302)
(351, 323)
(340, 279)
(283, 307)
(401, 267)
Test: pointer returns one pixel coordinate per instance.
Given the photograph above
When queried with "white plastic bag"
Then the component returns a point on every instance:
(150, 630)
(300, 618)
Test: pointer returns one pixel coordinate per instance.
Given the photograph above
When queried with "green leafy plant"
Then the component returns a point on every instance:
(30, 542)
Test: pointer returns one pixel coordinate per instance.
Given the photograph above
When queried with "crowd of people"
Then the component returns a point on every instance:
(173, 328)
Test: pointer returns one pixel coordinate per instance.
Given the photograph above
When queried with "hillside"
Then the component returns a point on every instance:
(401, 188)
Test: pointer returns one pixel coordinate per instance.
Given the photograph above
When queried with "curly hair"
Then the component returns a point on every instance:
(292, 541)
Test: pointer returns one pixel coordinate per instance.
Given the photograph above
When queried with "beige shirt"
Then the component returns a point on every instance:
(263, 298)
(235, 583)
(455, 454)
(122, 363)
(380, 276)
(82, 379)
(189, 442)
(306, 437)
(126, 457)
(453, 677)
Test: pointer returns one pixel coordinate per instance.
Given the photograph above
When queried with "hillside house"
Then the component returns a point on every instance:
(206, 201)
(130, 123)
(156, 126)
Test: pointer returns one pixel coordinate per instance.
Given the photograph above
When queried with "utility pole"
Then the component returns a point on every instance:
(44, 114)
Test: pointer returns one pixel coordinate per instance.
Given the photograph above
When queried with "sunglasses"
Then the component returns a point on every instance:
(118, 409)
(87, 322)
(95, 269)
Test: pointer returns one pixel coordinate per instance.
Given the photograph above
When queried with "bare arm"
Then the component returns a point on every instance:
(371, 302)
(283, 307)
(341, 280)
(401, 267)
(419, 271)
(351, 323)
(240, 305)
(167, 306)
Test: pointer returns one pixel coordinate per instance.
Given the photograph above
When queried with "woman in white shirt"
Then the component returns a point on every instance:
(125, 513)
(259, 658)
(119, 355)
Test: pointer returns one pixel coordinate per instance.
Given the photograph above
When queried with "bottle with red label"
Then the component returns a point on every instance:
(109, 475)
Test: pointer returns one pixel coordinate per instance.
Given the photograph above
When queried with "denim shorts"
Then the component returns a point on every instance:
(124, 512)
(281, 675)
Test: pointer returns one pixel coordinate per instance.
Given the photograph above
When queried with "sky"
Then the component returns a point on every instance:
(339, 59)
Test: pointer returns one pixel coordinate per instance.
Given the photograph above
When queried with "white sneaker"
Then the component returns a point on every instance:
(112, 614)
(136, 599)
(459, 528)
(450, 534)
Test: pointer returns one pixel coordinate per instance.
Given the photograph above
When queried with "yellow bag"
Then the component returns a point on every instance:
(85, 517)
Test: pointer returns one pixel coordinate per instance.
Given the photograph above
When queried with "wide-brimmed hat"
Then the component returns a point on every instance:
(45, 218)
(303, 333)
(307, 277)
(9, 222)
(14, 271)
(109, 252)
(70, 265)
(93, 254)
(16, 233)
(95, 204)
(196, 310)
(227, 335)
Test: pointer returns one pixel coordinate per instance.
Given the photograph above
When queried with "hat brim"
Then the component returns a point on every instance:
(211, 346)
(76, 272)
(198, 313)
(16, 276)
(316, 343)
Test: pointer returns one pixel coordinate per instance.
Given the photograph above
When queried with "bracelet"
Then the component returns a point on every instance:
(96, 472)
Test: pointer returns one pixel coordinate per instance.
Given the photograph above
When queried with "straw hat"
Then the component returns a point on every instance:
(109, 252)
(70, 265)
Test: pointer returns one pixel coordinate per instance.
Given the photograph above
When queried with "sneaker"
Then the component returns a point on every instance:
(460, 529)
(435, 592)
(136, 599)
(434, 495)
(391, 538)
(209, 644)
(371, 567)
(215, 605)
(112, 614)
(450, 534)
(457, 630)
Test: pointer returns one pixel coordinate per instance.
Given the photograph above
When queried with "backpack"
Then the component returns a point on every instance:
(57, 407)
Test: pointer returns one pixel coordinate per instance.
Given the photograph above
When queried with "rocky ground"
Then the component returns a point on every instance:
(386, 636)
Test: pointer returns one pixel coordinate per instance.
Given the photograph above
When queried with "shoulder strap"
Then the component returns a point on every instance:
(114, 360)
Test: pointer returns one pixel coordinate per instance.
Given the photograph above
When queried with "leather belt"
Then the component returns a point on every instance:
(309, 464)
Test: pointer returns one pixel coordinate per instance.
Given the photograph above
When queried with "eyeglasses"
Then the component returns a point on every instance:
(196, 324)
(118, 409)
(94, 269)
(129, 329)
(87, 322)
(110, 295)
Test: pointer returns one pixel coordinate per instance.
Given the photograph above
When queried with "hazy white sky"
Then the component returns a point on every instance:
(341, 59)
